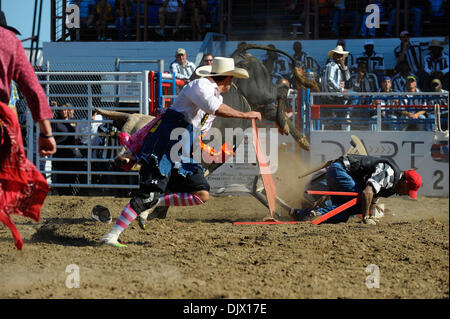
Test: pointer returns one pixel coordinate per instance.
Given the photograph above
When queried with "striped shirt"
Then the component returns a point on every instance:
(399, 82)
(368, 84)
(375, 62)
(413, 56)
(333, 76)
(382, 178)
(182, 72)
(436, 65)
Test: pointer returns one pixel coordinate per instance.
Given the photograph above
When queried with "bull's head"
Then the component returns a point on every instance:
(262, 95)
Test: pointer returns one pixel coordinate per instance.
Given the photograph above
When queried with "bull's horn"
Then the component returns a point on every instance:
(114, 115)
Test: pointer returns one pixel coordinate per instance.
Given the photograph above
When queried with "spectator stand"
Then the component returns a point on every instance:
(363, 100)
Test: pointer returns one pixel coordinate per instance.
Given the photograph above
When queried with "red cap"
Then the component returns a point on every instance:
(414, 181)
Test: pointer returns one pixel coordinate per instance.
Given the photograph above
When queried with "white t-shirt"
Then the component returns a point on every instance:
(84, 129)
(196, 99)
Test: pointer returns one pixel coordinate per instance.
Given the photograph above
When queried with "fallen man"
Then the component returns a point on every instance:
(371, 177)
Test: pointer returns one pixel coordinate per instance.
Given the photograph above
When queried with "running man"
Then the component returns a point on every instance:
(193, 111)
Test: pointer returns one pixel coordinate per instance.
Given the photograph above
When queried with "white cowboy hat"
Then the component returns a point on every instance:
(222, 67)
(338, 50)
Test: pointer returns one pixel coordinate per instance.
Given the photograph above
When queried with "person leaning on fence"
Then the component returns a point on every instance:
(163, 169)
(22, 187)
(369, 176)
(414, 100)
(399, 79)
(436, 86)
(182, 67)
(335, 74)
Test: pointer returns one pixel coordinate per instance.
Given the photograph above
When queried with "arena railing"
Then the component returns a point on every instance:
(96, 169)
(362, 111)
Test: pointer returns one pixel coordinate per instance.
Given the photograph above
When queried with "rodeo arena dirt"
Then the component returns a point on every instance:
(266, 231)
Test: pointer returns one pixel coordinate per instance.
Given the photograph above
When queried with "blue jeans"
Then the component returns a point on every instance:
(339, 180)
(339, 15)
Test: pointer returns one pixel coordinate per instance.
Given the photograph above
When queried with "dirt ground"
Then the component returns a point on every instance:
(197, 252)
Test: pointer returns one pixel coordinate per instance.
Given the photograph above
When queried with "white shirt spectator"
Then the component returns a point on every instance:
(182, 72)
(84, 129)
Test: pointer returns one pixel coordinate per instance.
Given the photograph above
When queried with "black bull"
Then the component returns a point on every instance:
(257, 93)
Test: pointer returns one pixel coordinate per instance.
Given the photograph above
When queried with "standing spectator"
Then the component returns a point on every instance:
(182, 68)
(374, 60)
(335, 75)
(409, 52)
(269, 59)
(124, 13)
(349, 60)
(103, 16)
(88, 131)
(363, 80)
(64, 140)
(386, 87)
(197, 9)
(343, 10)
(277, 65)
(415, 10)
(170, 9)
(399, 80)
(436, 64)
(22, 187)
(304, 61)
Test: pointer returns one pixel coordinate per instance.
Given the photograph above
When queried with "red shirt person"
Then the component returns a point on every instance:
(22, 187)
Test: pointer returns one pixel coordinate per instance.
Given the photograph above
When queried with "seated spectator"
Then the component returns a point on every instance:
(103, 16)
(63, 140)
(304, 61)
(207, 59)
(415, 10)
(182, 68)
(361, 81)
(87, 12)
(124, 13)
(436, 86)
(399, 80)
(411, 87)
(386, 113)
(197, 9)
(436, 64)
(371, 32)
(374, 60)
(170, 9)
(346, 9)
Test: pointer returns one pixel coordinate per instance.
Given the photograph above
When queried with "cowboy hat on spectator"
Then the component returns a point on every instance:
(338, 50)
